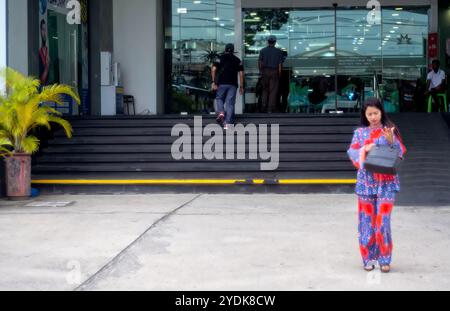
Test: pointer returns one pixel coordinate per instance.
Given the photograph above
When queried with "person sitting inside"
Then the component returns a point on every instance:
(436, 82)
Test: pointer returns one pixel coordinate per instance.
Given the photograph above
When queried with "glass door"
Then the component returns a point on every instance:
(359, 59)
(65, 65)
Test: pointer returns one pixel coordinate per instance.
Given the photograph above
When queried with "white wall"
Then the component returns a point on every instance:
(434, 16)
(18, 35)
(3, 38)
(136, 47)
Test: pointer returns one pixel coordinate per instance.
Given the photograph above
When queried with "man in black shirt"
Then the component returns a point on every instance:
(225, 81)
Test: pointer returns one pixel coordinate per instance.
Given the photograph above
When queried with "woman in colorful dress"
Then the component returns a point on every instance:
(376, 192)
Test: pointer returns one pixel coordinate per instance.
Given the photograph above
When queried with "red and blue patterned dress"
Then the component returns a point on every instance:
(376, 194)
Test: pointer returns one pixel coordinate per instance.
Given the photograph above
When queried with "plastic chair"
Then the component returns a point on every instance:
(393, 106)
(304, 105)
(295, 100)
(293, 107)
(442, 96)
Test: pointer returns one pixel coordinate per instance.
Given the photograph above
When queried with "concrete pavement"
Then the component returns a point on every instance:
(213, 242)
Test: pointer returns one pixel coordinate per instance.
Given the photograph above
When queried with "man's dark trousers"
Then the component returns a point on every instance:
(270, 96)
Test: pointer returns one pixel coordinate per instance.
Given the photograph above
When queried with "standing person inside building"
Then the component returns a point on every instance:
(376, 192)
(436, 83)
(225, 82)
(270, 68)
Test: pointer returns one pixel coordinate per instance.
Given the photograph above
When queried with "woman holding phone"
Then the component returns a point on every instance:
(376, 192)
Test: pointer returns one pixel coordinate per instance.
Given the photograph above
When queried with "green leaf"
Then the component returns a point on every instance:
(4, 152)
(30, 145)
(5, 141)
(63, 123)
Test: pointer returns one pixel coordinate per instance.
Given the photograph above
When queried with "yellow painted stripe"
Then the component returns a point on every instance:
(138, 182)
(317, 181)
(259, 181)
(190, 182)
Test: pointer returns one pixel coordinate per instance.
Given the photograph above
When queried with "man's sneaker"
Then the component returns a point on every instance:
(220, 118)
(225, 127)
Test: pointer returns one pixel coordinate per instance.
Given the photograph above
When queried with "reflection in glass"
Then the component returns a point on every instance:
(307, 37)
(386, 60)
(359, 53)
(404, 58)
(200, 31)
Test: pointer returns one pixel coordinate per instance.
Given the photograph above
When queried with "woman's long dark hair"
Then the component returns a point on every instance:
(376, 103)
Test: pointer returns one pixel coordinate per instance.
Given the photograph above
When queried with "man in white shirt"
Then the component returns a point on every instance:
(436, 82)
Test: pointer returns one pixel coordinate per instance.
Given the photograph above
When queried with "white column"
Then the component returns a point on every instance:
(3, 38)
(17, 46)
(238, 42)
(434, 16)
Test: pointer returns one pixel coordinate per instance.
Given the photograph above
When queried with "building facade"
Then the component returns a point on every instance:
(161, 52)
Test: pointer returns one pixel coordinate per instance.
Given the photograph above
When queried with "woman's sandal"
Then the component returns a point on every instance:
(385, 269)
(369, 268)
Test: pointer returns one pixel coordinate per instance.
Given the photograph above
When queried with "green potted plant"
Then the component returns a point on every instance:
(23, 109)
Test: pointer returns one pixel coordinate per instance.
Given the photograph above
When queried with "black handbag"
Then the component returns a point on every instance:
(383, 160)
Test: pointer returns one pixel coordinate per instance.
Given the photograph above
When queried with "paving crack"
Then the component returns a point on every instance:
(96, 276)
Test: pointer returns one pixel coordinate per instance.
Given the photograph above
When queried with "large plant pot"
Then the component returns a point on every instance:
(18, 176)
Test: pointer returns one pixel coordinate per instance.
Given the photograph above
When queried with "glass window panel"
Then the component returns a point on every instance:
(386, 59)
(307, 36)
(405, 32)
(200, 31)
(359, 62)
